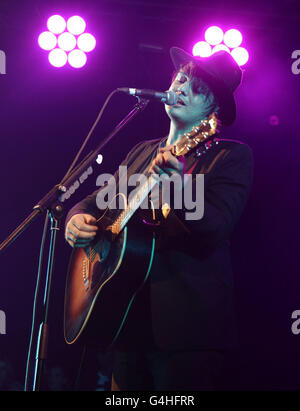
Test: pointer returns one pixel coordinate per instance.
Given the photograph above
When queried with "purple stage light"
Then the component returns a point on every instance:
(86, 42)
(58, 57)
(66, 41)
(214, 35)
(77, 58)
(202, 49)
(241, 55)
(56, 24)
(233, 38)
(47, 40)
(76, 25)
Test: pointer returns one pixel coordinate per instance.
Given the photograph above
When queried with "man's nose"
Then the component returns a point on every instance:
(180, 92)
(182, 89)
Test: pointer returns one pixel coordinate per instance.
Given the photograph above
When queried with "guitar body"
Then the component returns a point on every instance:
(102, 282)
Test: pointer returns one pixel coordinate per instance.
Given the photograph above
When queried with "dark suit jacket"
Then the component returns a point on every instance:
(188, 300)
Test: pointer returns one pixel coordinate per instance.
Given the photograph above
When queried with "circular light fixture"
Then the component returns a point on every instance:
(47, 40)
(66, 41)
(220, 47)
(58, 57)
(233, 38)
(214, 35)
(241, 55)
(77, 58)
(202, 49)
(76, 25)
(56, 24)
(86, 42)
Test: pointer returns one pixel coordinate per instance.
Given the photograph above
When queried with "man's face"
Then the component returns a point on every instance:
(192, 106)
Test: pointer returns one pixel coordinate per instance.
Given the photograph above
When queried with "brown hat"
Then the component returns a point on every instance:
(221, 73)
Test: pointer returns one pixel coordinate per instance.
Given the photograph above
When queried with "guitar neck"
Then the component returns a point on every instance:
(133, 204)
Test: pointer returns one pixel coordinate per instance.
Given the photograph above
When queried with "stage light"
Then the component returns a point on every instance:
(220, 47)
(213, 35)
(76, 25)
(233, 38)
(56, 24)
(58, 57)
(241, 55)
(66, 41)
(47, 40)
(230, 42)
(86, 42)
(77, 58)
(202, 49)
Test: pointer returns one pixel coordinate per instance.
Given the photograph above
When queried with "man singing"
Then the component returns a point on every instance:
(181, 323)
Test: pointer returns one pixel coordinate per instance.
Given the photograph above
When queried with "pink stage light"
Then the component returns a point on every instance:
(86, 42)
(66, 41)
(76, 25)
(58, 57)
(241, 55)
(47, 40)
(77, 58)
(233, 38)
(214, 35)
(202, 49)
(56, 24)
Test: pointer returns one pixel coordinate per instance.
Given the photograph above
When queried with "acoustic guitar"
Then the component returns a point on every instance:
(104, 278)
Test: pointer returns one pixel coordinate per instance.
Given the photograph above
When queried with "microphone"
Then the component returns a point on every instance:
(169, 97)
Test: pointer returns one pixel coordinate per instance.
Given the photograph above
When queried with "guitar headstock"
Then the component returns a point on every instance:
(206, 129)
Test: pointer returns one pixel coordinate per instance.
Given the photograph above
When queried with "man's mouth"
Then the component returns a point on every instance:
(180, 102)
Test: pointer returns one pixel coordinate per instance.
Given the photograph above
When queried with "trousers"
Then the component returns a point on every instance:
(197, 370)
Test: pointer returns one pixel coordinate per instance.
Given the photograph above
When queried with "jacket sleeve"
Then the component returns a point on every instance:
(225, 196)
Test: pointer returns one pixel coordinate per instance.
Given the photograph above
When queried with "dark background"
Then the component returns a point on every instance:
(45, 113)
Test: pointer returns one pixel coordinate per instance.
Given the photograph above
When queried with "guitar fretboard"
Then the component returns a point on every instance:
(134, 203)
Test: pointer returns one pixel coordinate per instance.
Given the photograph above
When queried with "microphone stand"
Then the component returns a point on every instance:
(52, 204)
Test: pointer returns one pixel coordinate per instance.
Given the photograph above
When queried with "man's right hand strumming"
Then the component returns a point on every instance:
(81, 230)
